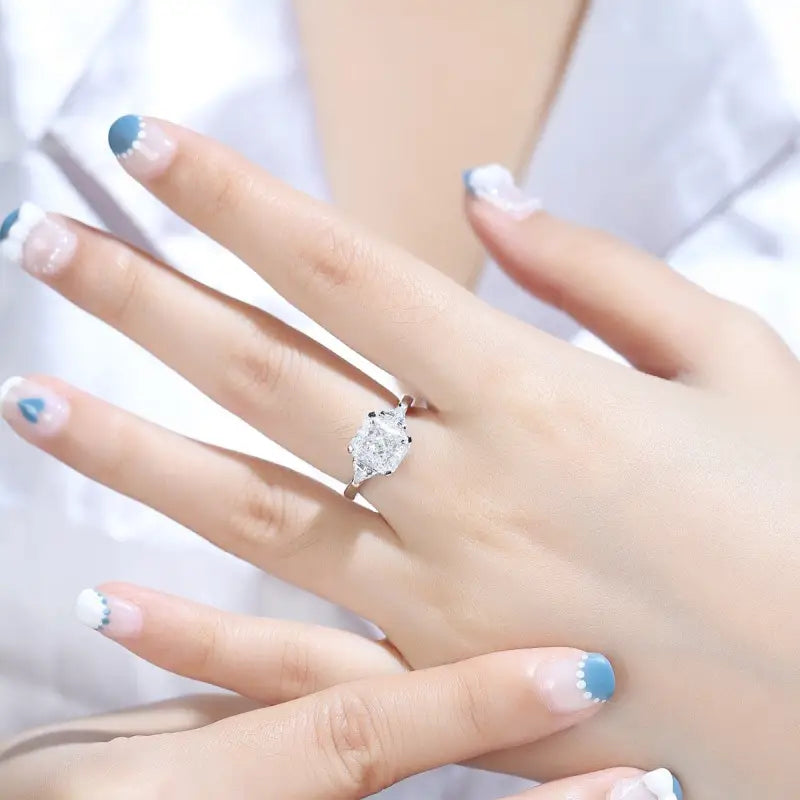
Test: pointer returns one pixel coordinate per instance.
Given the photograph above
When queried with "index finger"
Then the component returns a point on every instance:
(393, 308)
(355, 739)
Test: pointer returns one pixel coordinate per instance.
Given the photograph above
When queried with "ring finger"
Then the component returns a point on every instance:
(302, 395)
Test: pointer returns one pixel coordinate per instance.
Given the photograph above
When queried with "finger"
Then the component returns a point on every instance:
(167, 716)
(610, 784)
(380, 300)
(270, 516)
(661, 322)
(268, 660)
(262, 370)
(353, 740)
(47, 762)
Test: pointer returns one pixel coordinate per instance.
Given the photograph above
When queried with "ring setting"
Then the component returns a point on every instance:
(380, 445)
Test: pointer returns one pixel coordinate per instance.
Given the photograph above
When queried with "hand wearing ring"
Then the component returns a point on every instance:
(551, 495)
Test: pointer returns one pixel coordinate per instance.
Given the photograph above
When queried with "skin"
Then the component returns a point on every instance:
(395, 131)
(344, 743)
(643, 513)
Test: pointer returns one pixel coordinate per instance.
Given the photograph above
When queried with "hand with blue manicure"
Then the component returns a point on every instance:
(532, 495)
(344, 742)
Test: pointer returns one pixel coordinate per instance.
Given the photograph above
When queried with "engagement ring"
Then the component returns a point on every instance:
(380, 445)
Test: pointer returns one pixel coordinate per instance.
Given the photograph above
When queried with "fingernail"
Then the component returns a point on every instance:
(39, 243)
(660, 784)
(32, 409)
(495, 184)
(116, 618)
(575, 683)
(141, 146)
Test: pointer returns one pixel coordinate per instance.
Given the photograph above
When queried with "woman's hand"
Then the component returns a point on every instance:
(549, 495)
(340, 744)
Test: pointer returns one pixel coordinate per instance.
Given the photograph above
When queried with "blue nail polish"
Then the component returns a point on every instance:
(7, 223)
(31, 408)
(676, 788)
(598, 675)
(123, 133)
(465, 176)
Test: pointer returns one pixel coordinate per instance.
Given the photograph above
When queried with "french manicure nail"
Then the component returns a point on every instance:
(495, 184)
(576, 682)
(32, 409)
(39, 243)
(660, 784)
(112, 616)
(141, 146)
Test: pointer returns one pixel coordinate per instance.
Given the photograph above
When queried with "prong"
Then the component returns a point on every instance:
(372, 414)
(409, 440)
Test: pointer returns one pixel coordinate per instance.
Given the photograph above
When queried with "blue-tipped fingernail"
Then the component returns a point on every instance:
(495, 184)
(466, 176)
(596, 678)
(660, 784)
(575, 682)
(123, 133)
(8, 222)
(141, 146)
(15, 230)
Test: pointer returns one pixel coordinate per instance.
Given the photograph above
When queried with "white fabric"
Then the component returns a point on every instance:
(668, 110)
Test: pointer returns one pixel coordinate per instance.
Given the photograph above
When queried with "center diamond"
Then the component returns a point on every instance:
(380, 445)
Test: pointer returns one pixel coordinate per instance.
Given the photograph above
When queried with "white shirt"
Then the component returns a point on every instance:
(670, 129)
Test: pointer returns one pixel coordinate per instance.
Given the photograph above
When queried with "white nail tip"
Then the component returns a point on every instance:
(495, 184)
(17, 232)
(91, 609)
(28, 217)
(661, 783)
(8, 385)
(656, 785)
(11, 250)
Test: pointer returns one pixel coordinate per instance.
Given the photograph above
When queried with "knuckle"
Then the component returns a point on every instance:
(127, 290)
(231, 187)
(351, 732)
(296, 678)
(473, 698)
(262, 517)
(259, 365)
(208, 640)
(335, 259)
(268, 521)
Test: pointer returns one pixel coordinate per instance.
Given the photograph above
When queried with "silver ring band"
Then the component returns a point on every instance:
(380, 445)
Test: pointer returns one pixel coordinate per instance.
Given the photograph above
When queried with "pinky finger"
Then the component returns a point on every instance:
(610, 784)
(268, 660)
